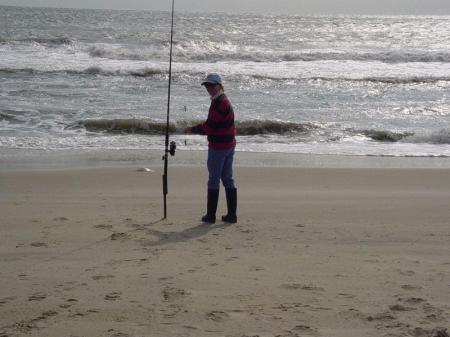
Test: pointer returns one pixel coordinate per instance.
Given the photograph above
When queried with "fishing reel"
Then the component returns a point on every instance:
(172, 148)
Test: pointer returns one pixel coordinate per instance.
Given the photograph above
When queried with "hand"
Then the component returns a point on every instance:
(188, 130)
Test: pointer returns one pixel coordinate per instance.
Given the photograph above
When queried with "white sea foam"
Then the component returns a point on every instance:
(436, 137)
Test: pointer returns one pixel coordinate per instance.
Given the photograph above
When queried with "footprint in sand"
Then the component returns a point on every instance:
(119, 236)
(414, 300)
(120, 334)
(38, 244)
(190, 327)
(171, 294)
(23, 277)
(37, 297)
(103, 226)
(411, 287)
(217, 316)
(67, 286)
(102, 277)
(304, 330)
(297, 286)
(437, 332)
(6, 300)
(406, 272)
(46, 315)
(349, 296)
(113, 296)
(432, 313)
(353, 313)
(385, 316)
(69, 304)
(195, 269)
(233, 258)
(26, 326)
(399, 307)
(61, 218)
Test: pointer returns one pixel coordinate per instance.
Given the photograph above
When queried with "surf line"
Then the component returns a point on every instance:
(169, 149)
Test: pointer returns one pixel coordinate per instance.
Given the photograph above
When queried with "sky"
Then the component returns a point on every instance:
(299, 7)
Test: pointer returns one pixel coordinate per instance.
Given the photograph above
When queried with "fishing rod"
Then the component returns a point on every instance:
(172, 147)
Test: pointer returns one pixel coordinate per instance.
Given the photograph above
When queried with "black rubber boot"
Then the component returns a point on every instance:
(213, 198)
(231, 205)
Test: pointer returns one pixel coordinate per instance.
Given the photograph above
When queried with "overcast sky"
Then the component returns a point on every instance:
(258, 6)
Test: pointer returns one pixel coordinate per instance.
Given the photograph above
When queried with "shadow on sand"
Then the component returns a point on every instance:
(183, 236)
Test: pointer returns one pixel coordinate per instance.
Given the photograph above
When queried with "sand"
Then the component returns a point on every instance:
(316, 252)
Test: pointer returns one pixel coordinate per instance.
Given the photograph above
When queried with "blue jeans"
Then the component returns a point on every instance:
(220, 167)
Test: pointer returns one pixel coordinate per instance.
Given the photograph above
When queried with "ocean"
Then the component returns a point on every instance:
(82, 80)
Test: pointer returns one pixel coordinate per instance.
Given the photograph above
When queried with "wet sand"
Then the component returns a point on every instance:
(316, 252)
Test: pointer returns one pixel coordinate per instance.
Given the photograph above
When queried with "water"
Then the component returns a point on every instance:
(95, 79)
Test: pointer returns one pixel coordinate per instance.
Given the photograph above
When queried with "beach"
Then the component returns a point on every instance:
(342, 166)
(316, 252)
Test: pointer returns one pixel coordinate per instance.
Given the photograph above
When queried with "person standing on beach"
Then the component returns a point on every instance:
(221, 132)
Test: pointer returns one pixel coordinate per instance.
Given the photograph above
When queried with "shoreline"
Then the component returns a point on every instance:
(25, 159)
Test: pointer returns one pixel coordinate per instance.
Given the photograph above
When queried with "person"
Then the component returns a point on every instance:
(220, 129)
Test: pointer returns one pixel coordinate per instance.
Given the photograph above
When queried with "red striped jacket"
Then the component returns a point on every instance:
(219, 126)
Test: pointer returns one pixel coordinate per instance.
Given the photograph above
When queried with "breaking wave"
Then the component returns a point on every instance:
(125, 126)
(102, 51)
(161, 71)
(385, 57)
(386, 136)
(387, 80)
(262, 127)
(93, 70)
(150, 127)
(7, 117)
(292, 56)
(49, 42)
(436, 137)
(143, 72)
(254, 128)
(199, 51)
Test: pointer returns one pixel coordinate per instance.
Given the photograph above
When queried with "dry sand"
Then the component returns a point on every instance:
(316, 252)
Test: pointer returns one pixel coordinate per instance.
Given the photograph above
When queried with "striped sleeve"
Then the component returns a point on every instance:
(219, 126)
